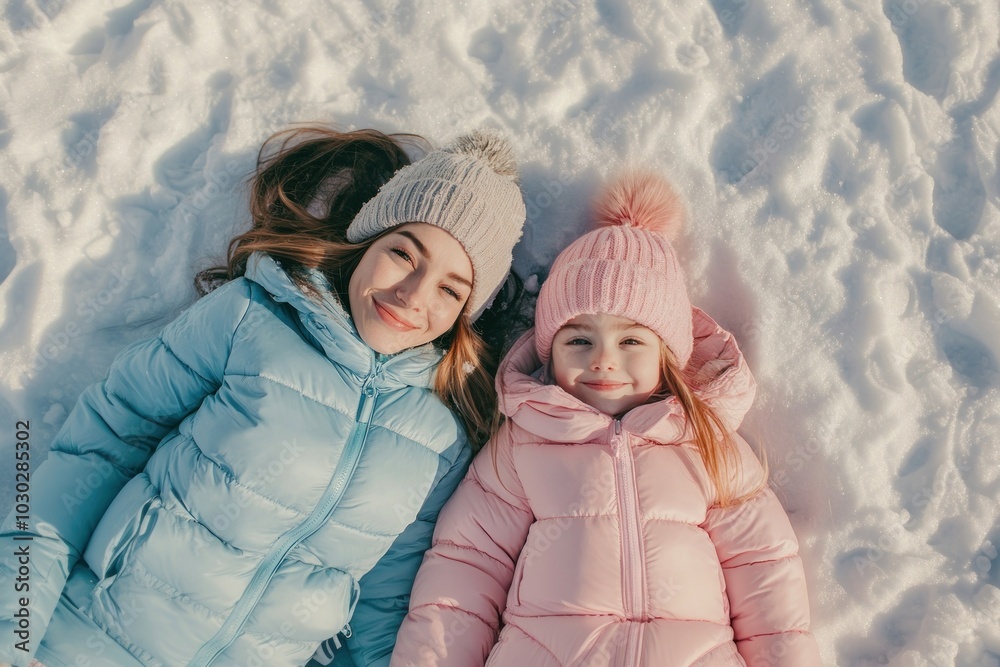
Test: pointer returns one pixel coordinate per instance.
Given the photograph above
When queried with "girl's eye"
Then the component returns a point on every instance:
(452, 293)
(578, 341)
(402, 253)
(631, 341)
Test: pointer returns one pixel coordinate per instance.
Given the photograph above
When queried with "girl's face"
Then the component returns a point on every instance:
(608, 362)
(409, 288)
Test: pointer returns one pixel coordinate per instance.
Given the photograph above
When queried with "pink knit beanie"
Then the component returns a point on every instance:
(626, 267)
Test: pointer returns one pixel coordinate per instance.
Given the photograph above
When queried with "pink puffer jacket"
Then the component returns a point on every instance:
(599, 541)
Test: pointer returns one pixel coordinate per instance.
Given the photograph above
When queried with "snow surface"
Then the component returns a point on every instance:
(839, 160)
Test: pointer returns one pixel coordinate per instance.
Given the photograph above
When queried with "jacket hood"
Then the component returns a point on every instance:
(717, 372)
(325, 321)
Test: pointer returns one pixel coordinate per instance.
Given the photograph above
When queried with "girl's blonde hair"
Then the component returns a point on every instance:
(714, 440)
(343, 170)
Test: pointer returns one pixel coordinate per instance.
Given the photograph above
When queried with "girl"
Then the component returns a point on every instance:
(616, 518)
(271, 466)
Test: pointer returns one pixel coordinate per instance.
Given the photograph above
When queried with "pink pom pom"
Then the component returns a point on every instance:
(641, 200)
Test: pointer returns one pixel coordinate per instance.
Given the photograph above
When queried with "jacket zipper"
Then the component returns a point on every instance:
(633, 587)
(230, 630)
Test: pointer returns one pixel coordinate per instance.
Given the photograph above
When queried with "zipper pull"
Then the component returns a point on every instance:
(368, 386)
(367, 399)
(616, 439)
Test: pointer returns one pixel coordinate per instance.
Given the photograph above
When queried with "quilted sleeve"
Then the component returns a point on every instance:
(106, 440)
(461, 588)
(765, 583)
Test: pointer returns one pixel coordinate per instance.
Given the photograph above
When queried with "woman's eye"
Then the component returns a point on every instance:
(452, 293)
(578, 341)
(632, 341)
(402, 253)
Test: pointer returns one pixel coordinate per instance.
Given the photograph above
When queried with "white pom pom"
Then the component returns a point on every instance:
(641, 200)
(489, 145)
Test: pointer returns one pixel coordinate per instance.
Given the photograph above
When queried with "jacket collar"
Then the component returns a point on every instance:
(717, 371)
(331, 329)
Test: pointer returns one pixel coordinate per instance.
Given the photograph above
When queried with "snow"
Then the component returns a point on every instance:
(839, 161)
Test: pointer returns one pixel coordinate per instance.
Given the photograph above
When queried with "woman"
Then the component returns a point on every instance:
(271, 466)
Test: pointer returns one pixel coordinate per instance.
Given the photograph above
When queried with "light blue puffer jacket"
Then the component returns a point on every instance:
(234, 491)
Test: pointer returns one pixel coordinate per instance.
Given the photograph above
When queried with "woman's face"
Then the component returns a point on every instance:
(409, 288)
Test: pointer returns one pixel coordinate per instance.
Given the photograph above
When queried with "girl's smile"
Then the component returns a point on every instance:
(604, 386)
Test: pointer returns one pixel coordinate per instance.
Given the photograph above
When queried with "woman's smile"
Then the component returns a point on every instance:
(391, 319)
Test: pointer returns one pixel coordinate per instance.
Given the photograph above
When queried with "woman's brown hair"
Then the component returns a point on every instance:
(712, 437)
(309, 184)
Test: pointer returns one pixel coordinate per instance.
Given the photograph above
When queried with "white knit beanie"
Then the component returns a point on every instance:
(469, 189)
